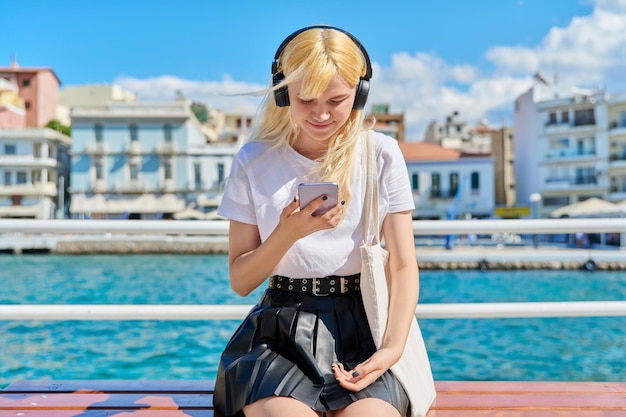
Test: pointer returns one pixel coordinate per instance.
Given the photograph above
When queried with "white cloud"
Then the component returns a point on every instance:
(588, 52)
(585, 53)
(227, 94)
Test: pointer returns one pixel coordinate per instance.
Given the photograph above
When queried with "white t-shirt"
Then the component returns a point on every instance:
(263, 181)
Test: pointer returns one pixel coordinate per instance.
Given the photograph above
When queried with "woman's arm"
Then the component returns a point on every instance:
(403, 279)
(403, 285)
(251, 261)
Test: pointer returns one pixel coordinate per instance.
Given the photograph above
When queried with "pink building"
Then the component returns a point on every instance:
(12, 113)
(39, 90)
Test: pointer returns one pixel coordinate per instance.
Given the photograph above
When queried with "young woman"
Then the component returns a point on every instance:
(306, 349)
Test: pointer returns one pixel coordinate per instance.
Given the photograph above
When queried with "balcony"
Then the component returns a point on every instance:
(564, 183)
(48, 189)
(166, 148)
(570, 154)
(96, 148)
(27, 161)
(131, 186)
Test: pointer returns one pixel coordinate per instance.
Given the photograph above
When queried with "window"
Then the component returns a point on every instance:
(21, 177)
(622, 122)
(26, 82)
(435, 185)
(454, 183)
(197, 176)
(555, 201)
(27, 105)
(220, 174)
(475, 182)
(7, 178)
(99, 170)
(134, 171)
(9, 149)
(97, 130)
(415, 182)
(134, 132)
(552, 118)
(167, 132)
(36, 176)
(584, 117)
(565, 117)
(585, 175)
(37, 150)
(167, 170)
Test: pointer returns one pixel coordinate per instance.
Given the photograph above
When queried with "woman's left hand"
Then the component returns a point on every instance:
(366, 372)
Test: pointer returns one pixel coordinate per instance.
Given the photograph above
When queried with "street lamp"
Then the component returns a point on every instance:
(535, 198)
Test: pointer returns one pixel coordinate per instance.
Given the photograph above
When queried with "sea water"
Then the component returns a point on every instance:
(568, 349)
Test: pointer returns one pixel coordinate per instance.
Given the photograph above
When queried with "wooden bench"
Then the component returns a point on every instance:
(79, 398)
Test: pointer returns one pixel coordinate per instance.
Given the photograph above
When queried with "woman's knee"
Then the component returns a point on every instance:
(279, 407)
(367, 407)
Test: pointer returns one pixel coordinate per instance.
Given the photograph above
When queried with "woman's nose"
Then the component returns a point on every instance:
(321, 113)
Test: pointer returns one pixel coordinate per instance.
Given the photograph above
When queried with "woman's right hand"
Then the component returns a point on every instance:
(301, 222)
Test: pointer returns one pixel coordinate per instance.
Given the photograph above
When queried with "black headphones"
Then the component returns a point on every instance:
(281, 95)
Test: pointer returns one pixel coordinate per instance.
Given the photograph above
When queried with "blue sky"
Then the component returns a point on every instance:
(430, 57)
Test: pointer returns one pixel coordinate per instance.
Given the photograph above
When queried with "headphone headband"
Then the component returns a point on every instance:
(281, 95)
(283, 45)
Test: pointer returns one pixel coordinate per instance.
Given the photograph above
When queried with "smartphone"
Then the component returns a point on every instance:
(309, 191)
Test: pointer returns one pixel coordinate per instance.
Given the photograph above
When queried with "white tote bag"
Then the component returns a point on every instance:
(413, 369)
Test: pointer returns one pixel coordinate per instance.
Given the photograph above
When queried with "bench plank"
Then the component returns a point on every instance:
(114, 386)
(138, 398)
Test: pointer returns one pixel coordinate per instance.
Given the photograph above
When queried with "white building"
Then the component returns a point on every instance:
(34, 167)
(144, 160)
(561, 146)
(455, 133)
(449, 184)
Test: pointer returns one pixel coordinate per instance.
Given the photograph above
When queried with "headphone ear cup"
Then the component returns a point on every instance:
(281, 95)
(362, 91)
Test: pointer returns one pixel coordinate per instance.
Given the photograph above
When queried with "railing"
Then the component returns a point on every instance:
(226, 312)
(220, 227)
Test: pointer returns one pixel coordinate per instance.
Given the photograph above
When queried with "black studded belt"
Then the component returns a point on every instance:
(319, 287)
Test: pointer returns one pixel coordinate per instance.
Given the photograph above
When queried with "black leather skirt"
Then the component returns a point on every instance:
(286, 347)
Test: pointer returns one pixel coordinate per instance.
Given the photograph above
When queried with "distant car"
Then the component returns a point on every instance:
(506, 237)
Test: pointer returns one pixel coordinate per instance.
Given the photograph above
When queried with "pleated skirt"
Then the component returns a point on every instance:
(286, 347)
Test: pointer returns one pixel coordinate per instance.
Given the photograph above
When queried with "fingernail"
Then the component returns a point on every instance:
(324, 198)
(343, 202)
(356, 373)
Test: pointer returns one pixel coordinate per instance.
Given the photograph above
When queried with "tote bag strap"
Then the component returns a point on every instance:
(370, 185)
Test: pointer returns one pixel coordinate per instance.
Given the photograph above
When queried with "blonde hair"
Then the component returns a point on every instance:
(315, 57)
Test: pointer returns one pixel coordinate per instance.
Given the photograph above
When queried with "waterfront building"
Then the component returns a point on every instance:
(561, 146)
(481, 139)
(38, 88)
(456, 133)
(144, 160)
(504, 165)
(34, 168)
(390, 124)
(448, 184)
